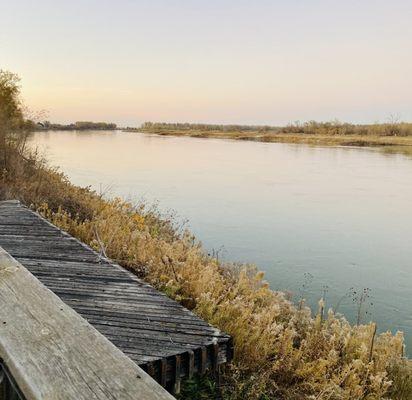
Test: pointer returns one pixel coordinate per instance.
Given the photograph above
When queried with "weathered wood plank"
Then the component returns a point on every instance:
(119, 303)
(10, 230)
(152, 324)
(122, 309)
(53, 353)
(124, 315)
(177, 374)
(191, 363)
(158, 336)
(145, 325)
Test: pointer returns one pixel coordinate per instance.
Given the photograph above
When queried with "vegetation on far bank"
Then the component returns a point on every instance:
(77, 126)
(392, 133)
(282, 351)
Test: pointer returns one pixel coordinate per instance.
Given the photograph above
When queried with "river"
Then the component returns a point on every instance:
(320, 221)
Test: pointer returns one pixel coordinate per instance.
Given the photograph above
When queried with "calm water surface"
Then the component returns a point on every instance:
(316, 219)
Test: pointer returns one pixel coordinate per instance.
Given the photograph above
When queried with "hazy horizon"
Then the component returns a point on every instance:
(265, 63)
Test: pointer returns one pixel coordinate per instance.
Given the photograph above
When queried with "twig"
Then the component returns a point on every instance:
(101, 244)
(372, 342)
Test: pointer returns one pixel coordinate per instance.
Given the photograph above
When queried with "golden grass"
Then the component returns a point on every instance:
(281, 350)
(312, 139)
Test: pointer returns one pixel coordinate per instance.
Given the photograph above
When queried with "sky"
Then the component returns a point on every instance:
(227, 61)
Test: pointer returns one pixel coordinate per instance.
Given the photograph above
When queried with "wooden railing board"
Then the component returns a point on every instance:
(54, 354)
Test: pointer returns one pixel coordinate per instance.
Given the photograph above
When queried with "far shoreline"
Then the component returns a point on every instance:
(404, 143)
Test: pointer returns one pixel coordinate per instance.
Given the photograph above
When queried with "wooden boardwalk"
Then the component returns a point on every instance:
(165, 339)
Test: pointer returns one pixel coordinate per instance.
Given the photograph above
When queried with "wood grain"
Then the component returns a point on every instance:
(54, 354)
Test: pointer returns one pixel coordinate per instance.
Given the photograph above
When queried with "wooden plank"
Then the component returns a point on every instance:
(143, 316)
(177, 374)
(121, 309)
(93, 268)
(7, 230)
(48, 254)
(105, 308)
(163, 368)
(114, 303)
(191, 363)
(6, 203)
(76, 282)
(149, 326)
(53, 353)
(203, 360)
(71, 282)
(215, 357)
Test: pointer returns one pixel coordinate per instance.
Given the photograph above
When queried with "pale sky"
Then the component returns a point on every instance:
(226, 61)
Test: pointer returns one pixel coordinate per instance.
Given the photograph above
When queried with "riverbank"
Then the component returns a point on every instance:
(404, 142)
(383, 135)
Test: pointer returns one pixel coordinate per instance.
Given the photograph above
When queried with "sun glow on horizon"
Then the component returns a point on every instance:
(269, 62)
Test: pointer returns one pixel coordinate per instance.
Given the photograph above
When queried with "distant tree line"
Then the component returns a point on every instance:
(185, 126)
(77, 126)
(393, 127)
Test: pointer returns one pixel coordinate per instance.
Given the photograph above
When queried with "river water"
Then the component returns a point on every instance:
(320, 221)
